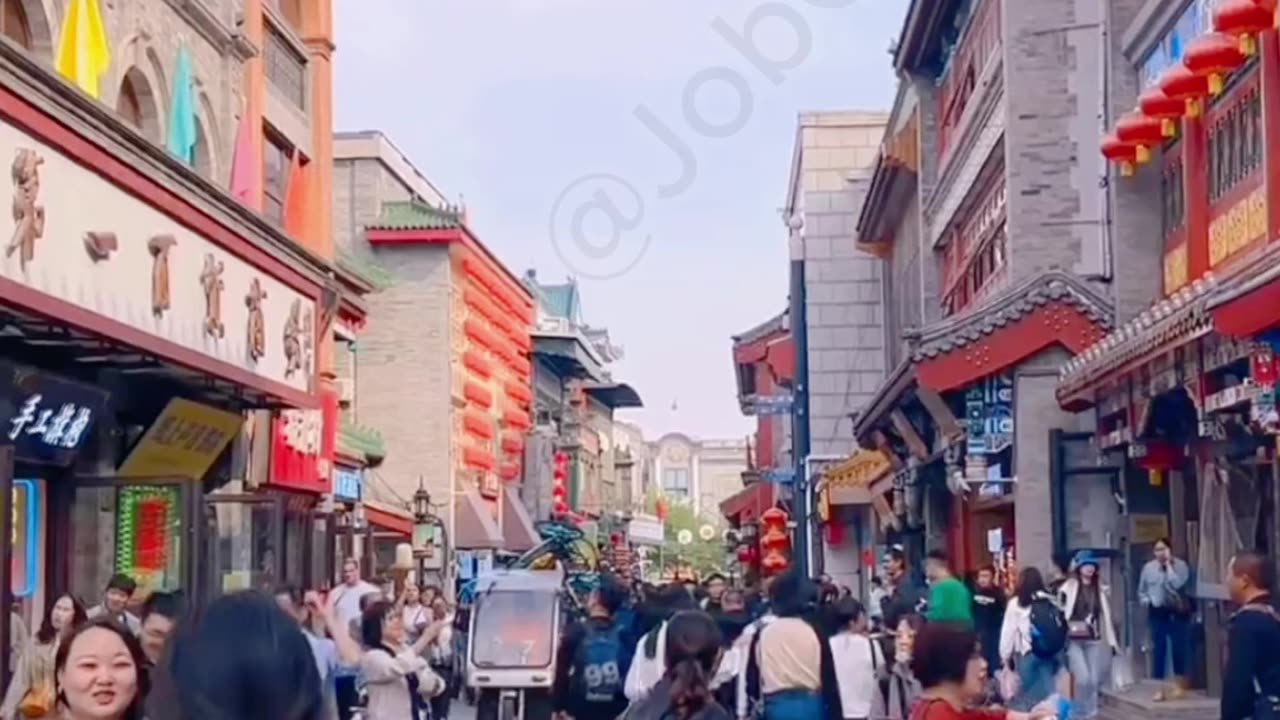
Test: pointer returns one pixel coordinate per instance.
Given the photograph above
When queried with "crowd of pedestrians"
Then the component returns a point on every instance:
(793, 648)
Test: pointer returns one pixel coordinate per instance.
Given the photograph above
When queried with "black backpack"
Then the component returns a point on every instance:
(1048, 629)
(600, 666)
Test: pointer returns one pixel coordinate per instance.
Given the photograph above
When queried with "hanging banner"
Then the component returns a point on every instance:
(184, 441)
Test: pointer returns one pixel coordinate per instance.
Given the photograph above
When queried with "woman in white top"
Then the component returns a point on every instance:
(415, 614)
(859, 663)
(1091, 636)
(1035, 674)
(398, 680)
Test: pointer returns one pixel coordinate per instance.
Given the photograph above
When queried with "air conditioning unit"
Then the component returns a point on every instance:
(346, 390)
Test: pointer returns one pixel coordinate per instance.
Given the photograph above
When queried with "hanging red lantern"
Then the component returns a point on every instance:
(1121, 153)
(660, 509)
(559, 485)
(774, 563)
(1140, 131)
(1155, 104)
(1243, 20)
(775, 539)
(1212, 57)
(1180, 83)
(774, 516)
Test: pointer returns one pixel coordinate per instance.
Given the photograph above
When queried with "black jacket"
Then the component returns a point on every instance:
(1252, 639)
(988, 611)
(907, 598)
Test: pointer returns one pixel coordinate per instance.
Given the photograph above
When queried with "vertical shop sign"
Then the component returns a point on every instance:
(26, 538)
(147, 522)
(998, 412)
(973, 416)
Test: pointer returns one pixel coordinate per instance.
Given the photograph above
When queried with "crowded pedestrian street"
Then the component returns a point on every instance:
(640, 360)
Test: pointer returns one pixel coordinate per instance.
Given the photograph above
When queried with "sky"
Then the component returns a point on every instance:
(642, 146)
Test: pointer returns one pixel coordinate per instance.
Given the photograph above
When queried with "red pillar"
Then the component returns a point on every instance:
(1269, 57)
(1195, 173)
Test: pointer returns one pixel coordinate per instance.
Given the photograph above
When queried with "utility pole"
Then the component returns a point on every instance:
(800, 395)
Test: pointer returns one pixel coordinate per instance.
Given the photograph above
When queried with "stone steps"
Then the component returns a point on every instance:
(1136, 704)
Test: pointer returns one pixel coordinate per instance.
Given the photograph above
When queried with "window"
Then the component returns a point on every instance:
(286, 68)
(129, 106)
(675, 481)
(275, 176)
(1173, 200)
(1235, 144)
(13, 23)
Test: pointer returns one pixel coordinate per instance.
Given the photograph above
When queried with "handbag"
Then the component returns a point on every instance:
(37, 703)
(1081, 630)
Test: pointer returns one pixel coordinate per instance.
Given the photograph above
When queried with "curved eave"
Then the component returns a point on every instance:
(887, 199)
(615, 395)
(920, 31)
(566, 356)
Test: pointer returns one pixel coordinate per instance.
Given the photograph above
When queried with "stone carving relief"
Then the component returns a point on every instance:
(160, 246)
(211, 281)
(256, 329)
(28, 217)
(100, 245)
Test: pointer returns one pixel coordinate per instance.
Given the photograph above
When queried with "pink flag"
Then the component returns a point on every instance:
(244, 171)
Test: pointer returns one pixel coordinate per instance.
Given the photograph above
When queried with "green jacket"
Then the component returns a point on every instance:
(949, 601)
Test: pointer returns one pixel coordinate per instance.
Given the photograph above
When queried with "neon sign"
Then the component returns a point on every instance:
(26, 537)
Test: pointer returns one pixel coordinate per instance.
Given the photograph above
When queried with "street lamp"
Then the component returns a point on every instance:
(428, 528)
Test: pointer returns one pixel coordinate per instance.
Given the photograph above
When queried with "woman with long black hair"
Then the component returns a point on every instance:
(33, 685)
(692, 651)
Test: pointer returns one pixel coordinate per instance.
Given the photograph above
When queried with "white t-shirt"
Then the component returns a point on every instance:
(347, 605)
(856, 660)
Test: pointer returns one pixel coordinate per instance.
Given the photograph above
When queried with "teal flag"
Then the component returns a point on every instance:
(182, 113)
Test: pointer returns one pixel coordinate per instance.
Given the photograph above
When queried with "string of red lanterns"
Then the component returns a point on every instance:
(559, 487)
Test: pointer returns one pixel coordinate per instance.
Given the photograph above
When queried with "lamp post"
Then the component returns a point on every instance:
(421, 529)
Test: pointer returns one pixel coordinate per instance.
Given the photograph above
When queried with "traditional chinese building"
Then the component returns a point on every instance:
(445, 371)
(764, 364)
(144, 310)
(1182, 392)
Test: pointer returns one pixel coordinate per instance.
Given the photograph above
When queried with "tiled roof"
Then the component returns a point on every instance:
(414, 215)
(777, 323)
(1172, 321)
(1011, 305)
(560, 300)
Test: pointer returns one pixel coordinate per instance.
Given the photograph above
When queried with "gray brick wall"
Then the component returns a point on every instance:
(1052, 55)
(403, 372)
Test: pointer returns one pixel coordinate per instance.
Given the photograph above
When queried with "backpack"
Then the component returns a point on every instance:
(1048, 629)
(599, 666)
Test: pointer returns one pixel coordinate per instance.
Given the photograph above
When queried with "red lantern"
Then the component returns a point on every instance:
(775, 540)
(1180, 83)
(773, 516)
(559, 489)
(1155, 104)
(660, 509)
(1212, 56)
(1121, 153)
(1140, 131)
(1244, 19)
(774, 563)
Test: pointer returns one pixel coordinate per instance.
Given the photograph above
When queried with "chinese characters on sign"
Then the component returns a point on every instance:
(184, 441)
(302, 430)
(989, 415)
(346, 483)
(1239, 226)
(60, 427)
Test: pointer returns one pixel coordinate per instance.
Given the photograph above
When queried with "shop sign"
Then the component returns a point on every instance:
(302, 447)
(93, 244)
(645, 531)
(989, 415)
(347, 483)
(184, 441)
(772, 405)
(1238, 227)
(47, 419)
(1228, 398)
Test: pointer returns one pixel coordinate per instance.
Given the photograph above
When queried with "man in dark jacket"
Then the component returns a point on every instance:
(988, 614)
(586, 684)
(1253, 636)
(906, 596)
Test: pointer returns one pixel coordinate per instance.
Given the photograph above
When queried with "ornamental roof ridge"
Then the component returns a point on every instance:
(1180, 316)
(1008, 307)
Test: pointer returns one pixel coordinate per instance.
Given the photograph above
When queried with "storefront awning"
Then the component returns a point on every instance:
(518, 533)
(474, 526)
(747, 504)
(849, 483)
(389, 518)
(1168, 324)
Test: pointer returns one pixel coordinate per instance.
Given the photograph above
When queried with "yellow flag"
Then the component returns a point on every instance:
(83, 55)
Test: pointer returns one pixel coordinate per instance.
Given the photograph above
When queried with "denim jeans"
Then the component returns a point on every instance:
(1169, 635)
(1090, 665)
(1035, 682)
(793, 705)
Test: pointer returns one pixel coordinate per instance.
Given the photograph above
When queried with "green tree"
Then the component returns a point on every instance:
(702, 555)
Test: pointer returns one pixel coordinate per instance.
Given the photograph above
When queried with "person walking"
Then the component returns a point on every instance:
(1251, 681)
(988, 614)
(790, 662)
(1091, 635)
(99, 672)
(160, 614)
(115, 601)
(590, 661)
(33, 688)
(875, 603)
(349, 602)
(440, 655)
(416, 610)
(693, 648)
(1032, 639)
(953, 678)
(649, 664)
(949, 600)
(398, 679)
(859, 663)
(906, 596)
(331, 644)
(1163, 588)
